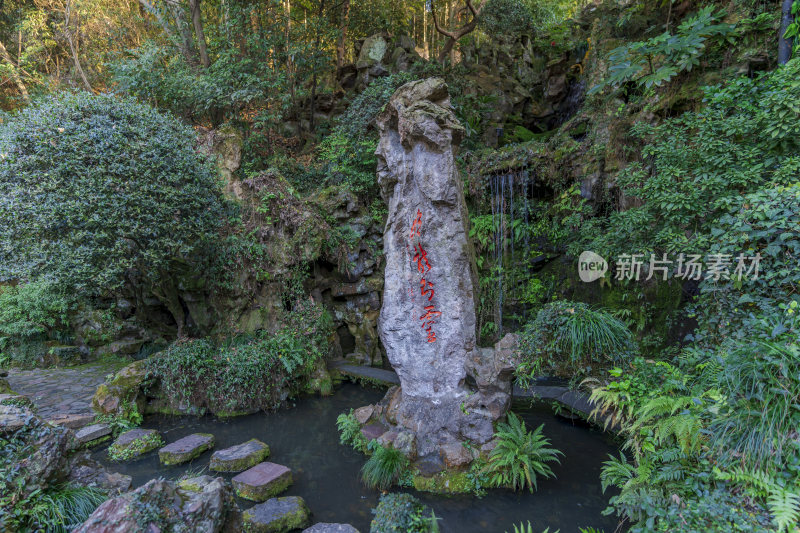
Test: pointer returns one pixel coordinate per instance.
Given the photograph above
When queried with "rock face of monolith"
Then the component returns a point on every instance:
(427, 321)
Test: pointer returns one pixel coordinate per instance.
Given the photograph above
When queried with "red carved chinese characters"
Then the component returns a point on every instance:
(420, 258)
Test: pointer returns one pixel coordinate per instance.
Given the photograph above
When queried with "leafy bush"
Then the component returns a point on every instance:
(572, 332)
(244, 372)
(29, 314)
(657, 60)
(98, 189)
(520, 456)
(384, 467)
(350, 432)
(349, 151)
(402, 513)
(701, 164)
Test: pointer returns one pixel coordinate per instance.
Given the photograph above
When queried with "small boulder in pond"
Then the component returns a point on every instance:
(262, 482)
(239, 457)
(134, 443)
(186, 449)
(324, 527)
(278, 515)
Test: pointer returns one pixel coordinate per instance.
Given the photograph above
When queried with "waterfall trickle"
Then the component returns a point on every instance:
(506, 221)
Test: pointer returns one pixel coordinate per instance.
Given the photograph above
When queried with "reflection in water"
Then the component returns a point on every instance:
(326, 474)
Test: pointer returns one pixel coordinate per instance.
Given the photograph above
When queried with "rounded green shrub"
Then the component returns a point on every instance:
(404, 513)
(98, 190)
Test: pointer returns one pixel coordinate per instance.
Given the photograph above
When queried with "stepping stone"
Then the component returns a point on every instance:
(71, 421)
(262, 482)
(324, 527)
(92, 433)
(186, 449)
(134, 443)
(277, 515)
(239, 457)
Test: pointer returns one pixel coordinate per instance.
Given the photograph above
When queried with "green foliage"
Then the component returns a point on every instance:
(29, 314)
(402, 513)
(524, 17)
(521, 528)
(243, 372)
(655, 61)
(26, 505)
(60, 508)
(350, 432)
(574, 333)
(702, 164)
(520, 456)
(761, 414)
(384, 467)
(348, 152)
(96, 187)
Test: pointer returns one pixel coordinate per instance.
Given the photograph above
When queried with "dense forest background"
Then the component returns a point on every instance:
(197, 179)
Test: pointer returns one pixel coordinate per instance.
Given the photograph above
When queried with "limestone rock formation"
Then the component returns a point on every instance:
(427, 321)
(201, 504)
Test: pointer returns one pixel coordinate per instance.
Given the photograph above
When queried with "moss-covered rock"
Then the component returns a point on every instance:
(262, 482)
(122, 396)
(186, 449)
(445, 482)
(240, 457)
(134, 443)
(278, 515)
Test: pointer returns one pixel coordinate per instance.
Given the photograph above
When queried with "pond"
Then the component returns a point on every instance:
(326, 473)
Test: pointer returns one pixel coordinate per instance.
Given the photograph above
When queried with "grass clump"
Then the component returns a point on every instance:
(572, 335)
(520, 456)
(384, 468)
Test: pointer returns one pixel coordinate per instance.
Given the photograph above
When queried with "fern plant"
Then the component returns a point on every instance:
(350, 432)
(520, 456)
(783, 500)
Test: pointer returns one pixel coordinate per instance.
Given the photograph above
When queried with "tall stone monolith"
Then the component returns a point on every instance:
(427, 321)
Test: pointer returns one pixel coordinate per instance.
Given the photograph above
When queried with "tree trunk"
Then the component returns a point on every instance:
(785, 45)
(314, 76)
(23, 91)
(187, 48)
(197, 21)
(73, 47)
(340, 45)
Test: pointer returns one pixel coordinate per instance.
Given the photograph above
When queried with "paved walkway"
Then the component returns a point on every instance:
(63, 394)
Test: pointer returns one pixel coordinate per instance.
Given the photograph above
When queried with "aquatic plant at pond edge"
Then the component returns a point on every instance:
(384, 467)
(350, 432)
(520, 456)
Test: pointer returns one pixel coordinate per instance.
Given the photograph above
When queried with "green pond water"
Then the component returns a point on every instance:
(326, 474)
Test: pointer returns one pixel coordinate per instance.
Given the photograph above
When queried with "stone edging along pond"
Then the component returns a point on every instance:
(575, 400)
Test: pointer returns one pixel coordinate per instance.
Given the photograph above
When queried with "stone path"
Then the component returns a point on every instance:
(62, 393)
(385, 377)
